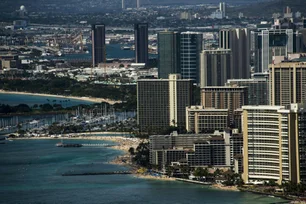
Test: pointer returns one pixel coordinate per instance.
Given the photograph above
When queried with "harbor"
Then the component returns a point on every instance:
(92, 119)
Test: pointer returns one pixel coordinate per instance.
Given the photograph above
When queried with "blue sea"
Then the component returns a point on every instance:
(16, 99)
(113, 51)
(30, 172)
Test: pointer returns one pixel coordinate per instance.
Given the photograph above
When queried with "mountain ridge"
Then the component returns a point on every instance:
(266, 9)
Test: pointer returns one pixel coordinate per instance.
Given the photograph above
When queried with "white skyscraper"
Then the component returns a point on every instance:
(138, 3)
(222, 6)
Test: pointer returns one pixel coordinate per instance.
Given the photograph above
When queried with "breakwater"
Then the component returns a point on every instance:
(96, 173)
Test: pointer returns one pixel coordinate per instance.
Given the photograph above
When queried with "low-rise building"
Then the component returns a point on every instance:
(206, 120)
(198, 150)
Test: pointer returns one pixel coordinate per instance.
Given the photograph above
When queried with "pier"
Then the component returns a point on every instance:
(96, 173)
(97, 145)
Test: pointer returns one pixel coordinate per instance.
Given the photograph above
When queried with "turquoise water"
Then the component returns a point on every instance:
(30, 172)
(16, 99)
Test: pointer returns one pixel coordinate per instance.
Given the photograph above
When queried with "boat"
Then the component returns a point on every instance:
(59, 54)
(126, 48)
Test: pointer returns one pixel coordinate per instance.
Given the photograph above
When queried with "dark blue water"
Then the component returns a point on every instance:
(16, 99)
(30, 172)
(112, 51)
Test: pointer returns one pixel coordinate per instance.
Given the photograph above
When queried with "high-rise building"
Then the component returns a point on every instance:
(274, 143)
(219, 13)
(138, 3)
(286, 83)
(191, 45)
(168, 53)
(141, 42)
(122, 4)
(267, 44)
(185, 16)
(222, 8)
(215, 67)
(297, 121)
(224, 97)
(258, 89)
(98, 44)
(238, 41)
(161, 102)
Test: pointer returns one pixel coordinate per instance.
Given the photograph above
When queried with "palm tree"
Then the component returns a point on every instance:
(185, 170)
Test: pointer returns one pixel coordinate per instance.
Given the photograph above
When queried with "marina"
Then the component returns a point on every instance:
(95, 117)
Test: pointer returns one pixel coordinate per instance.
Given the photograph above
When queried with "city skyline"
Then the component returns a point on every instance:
(211, 94)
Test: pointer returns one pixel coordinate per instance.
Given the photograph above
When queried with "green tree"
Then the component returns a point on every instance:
(200, 172)
(217, 172)
(142, 154)
(132, 151)
(185, 170)
(46, 107)
(23, 108)
(170, 170)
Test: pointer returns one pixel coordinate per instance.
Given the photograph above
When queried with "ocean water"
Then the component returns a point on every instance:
(16, 99)
(112, 51)
(30, 172)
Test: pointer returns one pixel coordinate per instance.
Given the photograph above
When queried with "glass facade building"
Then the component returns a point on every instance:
(98, 44)
(168, 53)
(191, 44)
(269, 43)
(141, 42)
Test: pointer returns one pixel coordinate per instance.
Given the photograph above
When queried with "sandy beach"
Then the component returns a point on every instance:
(124, 143)
(161, 178)
(91, 99)
(226, 188)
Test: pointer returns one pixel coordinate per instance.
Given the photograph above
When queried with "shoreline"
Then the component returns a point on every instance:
(124, 159)
(225, 188)
(89, 99)
(124, 143)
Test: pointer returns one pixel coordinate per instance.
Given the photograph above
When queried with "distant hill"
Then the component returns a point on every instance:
(95, 5)
(266, 9)
(169, 2)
